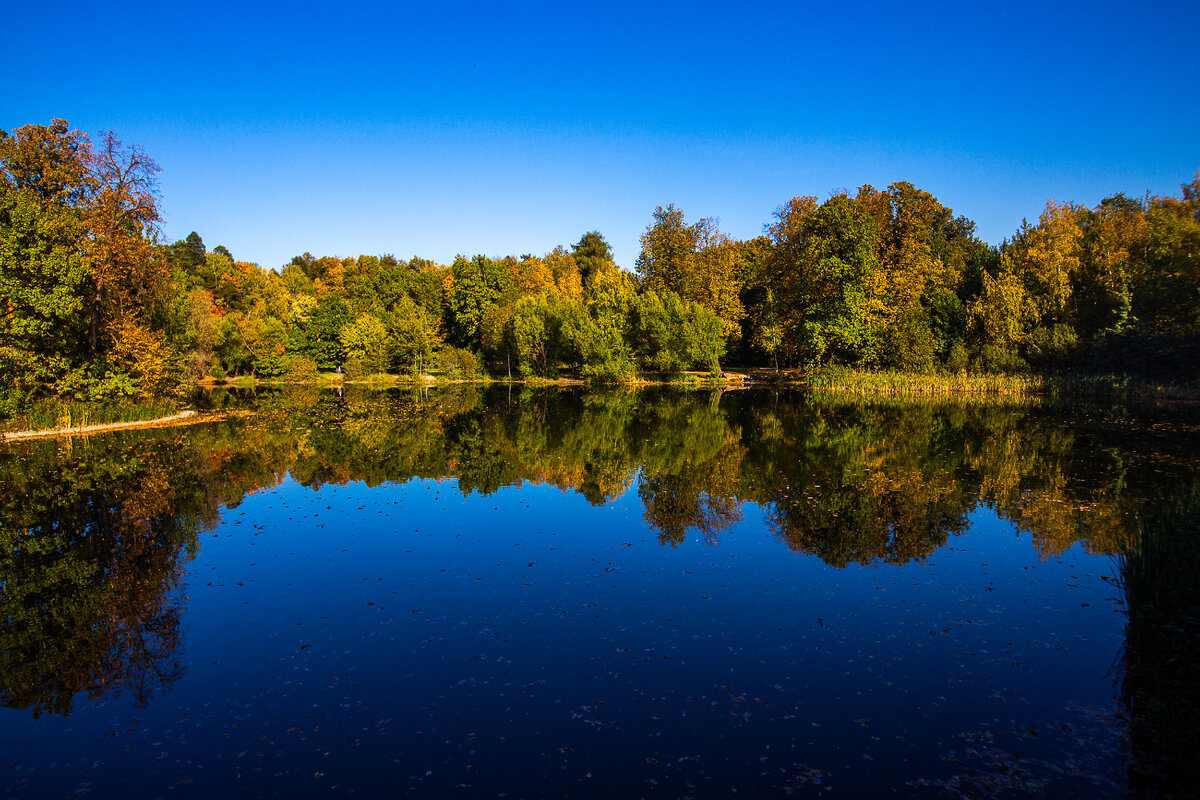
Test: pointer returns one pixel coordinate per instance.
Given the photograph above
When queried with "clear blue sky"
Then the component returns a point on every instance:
(433, 129)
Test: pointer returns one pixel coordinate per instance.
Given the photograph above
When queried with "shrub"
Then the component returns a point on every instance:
(301, 369)
(998, 358)
(352, 368)
(1052, 347)
(957, 358)
(197, 366)
(458, 363)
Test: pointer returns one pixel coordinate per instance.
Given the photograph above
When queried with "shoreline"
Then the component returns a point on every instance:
(865, 383)
(853, 383)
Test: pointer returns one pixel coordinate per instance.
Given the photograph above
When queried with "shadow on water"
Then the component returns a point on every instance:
(1160, 686)
(96, 534)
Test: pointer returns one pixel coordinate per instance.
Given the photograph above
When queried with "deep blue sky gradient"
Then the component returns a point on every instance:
(348, 128)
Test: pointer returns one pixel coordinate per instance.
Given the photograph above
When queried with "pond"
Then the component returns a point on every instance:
(562, 593)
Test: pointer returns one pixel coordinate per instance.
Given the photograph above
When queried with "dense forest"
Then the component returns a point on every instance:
(94, 306)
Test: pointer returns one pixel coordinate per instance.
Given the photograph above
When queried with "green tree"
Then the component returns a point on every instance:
(319, 336)
(476, 285)
(1170, 285)
(657, 332)
(592, 254)
(667, 248)
(45, 186)
(414, 332)
(819, 275)
(705, 336)
(189, 253)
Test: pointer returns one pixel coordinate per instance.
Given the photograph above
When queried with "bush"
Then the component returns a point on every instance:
(352, 368)
(457, 363)
(13, 401)
(997, 358)
(910, 344)
(615, 367)
(957, 358)
(1052, 347)
(197, 366)
(113, 387)
(301, 369)
(269, 366)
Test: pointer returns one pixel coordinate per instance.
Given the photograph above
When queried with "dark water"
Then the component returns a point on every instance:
(570, 594)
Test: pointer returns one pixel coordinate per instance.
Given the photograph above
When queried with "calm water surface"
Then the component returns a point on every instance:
(569, 594)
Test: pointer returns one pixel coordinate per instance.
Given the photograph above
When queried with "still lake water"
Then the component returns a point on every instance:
(569, 594)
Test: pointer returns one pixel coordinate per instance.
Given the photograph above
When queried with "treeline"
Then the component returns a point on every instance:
(93, 306)
(884, 279)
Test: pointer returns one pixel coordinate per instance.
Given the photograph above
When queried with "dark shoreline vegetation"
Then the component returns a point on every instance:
(96, 534)
(879, 290)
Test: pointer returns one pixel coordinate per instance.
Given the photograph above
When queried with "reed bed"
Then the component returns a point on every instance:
(887, 382)
(905, 384)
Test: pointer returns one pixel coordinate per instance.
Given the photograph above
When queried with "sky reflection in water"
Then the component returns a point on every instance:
(566, 594)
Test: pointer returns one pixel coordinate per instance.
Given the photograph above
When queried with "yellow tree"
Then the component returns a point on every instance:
(713, 276)
(1004, 311)
(567, 279)
(124, 223)
(696, 262)
(904, 219)
(1115, 239)
(534, 276)
(331, 278)
(1047, 259)
(667, 246)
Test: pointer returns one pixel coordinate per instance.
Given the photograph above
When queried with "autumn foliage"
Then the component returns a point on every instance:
(92, 305)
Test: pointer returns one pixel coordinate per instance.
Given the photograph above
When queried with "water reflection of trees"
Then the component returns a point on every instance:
(95, 538)
(851, 482)
(91, 553)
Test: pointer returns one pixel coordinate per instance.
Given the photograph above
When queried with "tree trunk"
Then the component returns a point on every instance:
(94, 326)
